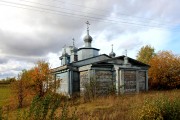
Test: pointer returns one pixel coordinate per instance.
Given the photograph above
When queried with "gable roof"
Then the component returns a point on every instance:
(90, 60)
(131, 60)
(82, 62)
(102, 59)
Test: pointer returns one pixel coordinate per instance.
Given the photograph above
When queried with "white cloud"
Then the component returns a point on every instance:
(53, 59)
(13, 67)
(132, 41)
(29, 35)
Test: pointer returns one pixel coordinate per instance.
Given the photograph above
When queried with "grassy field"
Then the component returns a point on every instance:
(4, 93)
(123, 107)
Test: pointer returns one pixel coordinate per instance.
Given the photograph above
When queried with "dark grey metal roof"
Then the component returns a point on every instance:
(90, 60)
(88, 48)
(131, 60)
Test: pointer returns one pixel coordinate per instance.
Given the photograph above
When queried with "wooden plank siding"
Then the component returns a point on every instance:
(142, 80)
(129, 81)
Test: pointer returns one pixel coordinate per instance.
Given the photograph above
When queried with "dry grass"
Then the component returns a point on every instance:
(123, 107)
(120, 107)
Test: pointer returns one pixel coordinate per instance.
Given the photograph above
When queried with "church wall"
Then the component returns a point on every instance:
(84, 79)
(95, 52)
(64, 82)
(131, 80)
(87, 53)
(142, 80)
(105, 82)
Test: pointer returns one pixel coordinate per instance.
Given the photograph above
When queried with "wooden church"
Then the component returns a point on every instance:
(80, 66)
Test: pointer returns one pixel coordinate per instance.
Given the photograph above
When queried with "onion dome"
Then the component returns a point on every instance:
(74, 49)
(88, 38)
(112, 54)
(64, 54)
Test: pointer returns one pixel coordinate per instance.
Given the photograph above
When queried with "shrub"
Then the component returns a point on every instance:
(149, 112)
(46, 107)
(160, 109)
(170, 109)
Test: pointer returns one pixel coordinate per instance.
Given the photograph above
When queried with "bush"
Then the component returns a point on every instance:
(164, 71)
(50, 107)
(46, 107)
(170, 109)
(160, 109)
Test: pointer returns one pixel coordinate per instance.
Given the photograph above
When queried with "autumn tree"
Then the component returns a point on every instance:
(42, 78)
(35, 81)
(164, 72)
(145, 54)
(20, 87)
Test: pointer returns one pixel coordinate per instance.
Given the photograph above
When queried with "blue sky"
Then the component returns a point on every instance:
(174, 42)
(32, 30)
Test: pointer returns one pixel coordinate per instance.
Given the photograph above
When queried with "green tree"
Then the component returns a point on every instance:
(145, 54)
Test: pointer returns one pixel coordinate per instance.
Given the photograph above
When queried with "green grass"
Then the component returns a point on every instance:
(4, 94)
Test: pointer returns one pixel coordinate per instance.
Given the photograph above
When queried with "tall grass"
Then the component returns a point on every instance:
(130, 107)
(144, 106)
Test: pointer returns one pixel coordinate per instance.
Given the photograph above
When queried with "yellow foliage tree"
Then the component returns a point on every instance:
(35, 81)
(41, 77)
(165, 71)
(20, 88)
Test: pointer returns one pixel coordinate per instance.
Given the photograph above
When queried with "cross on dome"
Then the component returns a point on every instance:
(126, 52)
(88, 39)
(64, 48)
(87, 25)
(73, 41)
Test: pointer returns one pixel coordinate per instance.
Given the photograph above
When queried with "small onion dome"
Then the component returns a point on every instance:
(63, 55)
(112, 54)
(74, 49)
(88, 38)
